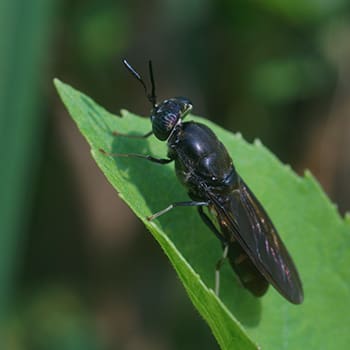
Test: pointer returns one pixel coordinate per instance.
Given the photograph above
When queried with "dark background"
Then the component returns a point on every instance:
(77, 270)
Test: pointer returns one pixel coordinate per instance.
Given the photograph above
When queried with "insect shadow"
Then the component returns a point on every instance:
(159, 187)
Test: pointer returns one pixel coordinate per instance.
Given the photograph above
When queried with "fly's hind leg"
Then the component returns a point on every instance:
(221, 261)
(218, 267)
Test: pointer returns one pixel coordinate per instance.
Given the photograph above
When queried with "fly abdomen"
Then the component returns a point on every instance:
(246, 271)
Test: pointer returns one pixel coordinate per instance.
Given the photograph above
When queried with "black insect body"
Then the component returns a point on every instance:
(249, 239)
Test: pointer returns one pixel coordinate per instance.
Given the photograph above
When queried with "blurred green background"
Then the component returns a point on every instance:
(77, 270)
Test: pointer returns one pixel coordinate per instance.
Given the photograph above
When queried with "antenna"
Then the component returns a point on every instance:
(151, 97)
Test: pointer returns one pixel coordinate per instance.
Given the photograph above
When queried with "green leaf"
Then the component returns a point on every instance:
(316, 236)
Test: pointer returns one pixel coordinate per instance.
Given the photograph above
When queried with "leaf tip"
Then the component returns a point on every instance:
(57, 82)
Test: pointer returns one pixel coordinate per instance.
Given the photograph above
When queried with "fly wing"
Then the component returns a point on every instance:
(256, 234)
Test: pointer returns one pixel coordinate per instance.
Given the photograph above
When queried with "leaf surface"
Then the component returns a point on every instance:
(315, 234)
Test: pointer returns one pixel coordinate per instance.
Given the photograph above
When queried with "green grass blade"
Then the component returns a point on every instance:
(24, 31)
(317, 237)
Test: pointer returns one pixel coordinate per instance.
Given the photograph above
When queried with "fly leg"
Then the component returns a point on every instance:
(177, 204)
(221, 261)
(218, 268)
(144, 136)
(210, 224)
(135, 155)
(159, 161)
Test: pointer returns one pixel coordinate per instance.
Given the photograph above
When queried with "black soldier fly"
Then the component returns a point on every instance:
(202, 164)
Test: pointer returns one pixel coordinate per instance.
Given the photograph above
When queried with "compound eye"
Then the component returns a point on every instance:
(163, 124)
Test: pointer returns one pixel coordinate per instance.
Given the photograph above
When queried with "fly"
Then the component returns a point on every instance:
(248, 237)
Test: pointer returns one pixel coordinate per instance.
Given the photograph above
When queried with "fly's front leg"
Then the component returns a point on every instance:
(135, 155)
(144, 136)
(217, 233)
